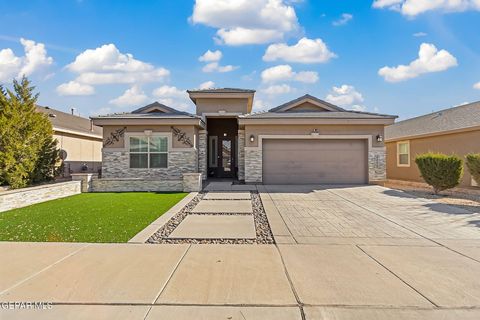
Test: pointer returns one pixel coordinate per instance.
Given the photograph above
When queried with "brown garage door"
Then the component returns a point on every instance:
(314, 161)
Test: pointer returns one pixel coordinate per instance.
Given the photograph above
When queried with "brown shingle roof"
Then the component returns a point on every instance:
(67, 121)
(446, 120)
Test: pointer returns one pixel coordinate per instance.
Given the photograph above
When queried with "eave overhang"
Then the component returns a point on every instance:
(150, 121)
(303, 121)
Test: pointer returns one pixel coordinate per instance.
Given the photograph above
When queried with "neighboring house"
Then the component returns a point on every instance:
(450, 131)
(304, 141)
(79, 140)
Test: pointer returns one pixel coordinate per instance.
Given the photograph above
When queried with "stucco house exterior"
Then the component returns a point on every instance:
(450, 131)
(304, 141)
(78, 138)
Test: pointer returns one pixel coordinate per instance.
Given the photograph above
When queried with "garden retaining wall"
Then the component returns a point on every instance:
(18, 198)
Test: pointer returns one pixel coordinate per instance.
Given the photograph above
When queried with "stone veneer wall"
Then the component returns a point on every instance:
(241, 154)
(132, 184)
(18, 198)
(115, 164)
(377, 164)
(202, 153)
(253, 165)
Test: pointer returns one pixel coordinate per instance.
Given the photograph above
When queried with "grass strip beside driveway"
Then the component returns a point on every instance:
(87, 217)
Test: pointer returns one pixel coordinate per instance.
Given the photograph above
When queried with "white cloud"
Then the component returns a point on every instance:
(206, 85)
(305, 51)
(74, 88)
(213, 58)
(476, 86)
(420, 34)
(242, 22)
(277, 73)
(168, 91)
(306, 76)
(346, 96)
(215, 67)
(285, 72)
(241, 36)
(210, 56)
(430, 59)
(131, 97)
(416, 7)
(107, 65)
(34, 60)
(259, 105)
(344, 19)
(277, 89)
(172, 97)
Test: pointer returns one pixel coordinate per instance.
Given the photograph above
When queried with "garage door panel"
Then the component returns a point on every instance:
(314, 161)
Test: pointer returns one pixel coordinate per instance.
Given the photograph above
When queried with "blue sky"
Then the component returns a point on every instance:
(113, 56)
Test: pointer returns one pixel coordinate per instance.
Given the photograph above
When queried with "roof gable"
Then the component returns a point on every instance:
(156, 107)
(306, 103)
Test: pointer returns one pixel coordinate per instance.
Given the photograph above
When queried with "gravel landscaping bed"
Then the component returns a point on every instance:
(262, 228)
(468, 201)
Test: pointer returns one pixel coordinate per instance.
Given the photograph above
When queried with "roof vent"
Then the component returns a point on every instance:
(51, 115)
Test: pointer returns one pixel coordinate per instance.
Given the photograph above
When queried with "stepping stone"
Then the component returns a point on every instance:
(227, 196)
(224, 206)
(216, 227)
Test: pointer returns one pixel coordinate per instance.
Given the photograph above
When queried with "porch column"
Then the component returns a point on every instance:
(241, 154)
(202, 153)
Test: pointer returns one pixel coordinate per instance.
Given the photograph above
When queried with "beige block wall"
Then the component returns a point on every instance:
(257, 130)
(80, 148)
(456, 143)
(191, 131)
(208, 105)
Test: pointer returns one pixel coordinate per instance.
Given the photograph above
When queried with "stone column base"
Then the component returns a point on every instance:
(86, 180)
(192, 182)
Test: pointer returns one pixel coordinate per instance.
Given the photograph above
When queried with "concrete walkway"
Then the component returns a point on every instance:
(385, 256)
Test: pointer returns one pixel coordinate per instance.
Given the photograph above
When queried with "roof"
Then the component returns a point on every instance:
(330, 111)
(62, 121)
(221, 90)
(456, 118)
(346, 114)
(158, 111)
(305, 97)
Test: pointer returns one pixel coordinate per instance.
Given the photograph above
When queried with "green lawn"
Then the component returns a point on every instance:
(87, 217)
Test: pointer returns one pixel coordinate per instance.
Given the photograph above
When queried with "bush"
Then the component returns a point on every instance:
(473, 164)
(440, 171)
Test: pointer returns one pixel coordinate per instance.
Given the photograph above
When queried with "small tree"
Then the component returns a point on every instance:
(26, 138)
(473, 164)
(440, 171)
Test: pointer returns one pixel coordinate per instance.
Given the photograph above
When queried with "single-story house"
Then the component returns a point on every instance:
(450, 131)
(79, 140)
(304, 141)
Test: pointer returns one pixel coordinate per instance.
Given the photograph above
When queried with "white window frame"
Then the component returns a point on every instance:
(407, 142)
(143, 135)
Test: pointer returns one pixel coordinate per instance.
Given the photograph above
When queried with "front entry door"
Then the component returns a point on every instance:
(225, 158)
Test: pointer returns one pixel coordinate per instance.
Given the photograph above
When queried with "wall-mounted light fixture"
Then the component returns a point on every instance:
(379, 138)
(252, 138)
(314, 132)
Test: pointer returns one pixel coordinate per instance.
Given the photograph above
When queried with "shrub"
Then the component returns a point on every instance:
(440, 171)
(473, 164)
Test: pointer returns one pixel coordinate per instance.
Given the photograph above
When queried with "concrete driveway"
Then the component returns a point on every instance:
(341, 253)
